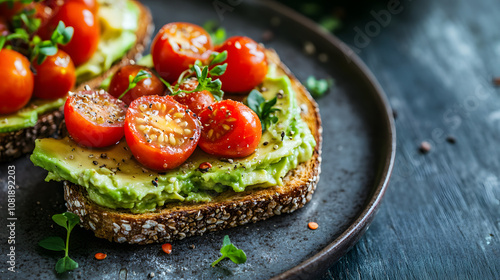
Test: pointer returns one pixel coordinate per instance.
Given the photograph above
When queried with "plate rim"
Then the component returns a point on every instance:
(342, 244)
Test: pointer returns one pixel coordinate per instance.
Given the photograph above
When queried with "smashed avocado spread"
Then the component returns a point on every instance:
(113, 178)
(119, 24)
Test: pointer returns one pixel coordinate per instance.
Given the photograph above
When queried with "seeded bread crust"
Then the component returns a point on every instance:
(230, 209)
(15, 144)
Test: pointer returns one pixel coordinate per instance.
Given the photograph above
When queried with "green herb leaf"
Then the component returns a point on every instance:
(53, 243)
(318, 87)
(218, 70)
(61, 220)
(216, 58)
(217, 33)
(230, 251)
(262, 108)
(65, 264)
(68, 221)
(73, 220)
(133, 81)
(3, 39)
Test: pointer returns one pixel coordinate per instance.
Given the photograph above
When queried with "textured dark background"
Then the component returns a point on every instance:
(440, 218)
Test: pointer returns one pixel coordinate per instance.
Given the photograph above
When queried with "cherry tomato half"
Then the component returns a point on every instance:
(246, 64)
(148, 86)
(94, 118)
(16, 86)
(55, 76)
(195, 101)
(160, 133)
(230, 129)
(87, 31)
(178, 45)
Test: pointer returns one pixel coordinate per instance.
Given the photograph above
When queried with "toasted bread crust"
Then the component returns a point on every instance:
(229, 209)
(16, 143)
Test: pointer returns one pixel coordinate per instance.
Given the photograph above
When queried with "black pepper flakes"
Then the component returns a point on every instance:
(451, 139)
(265, 143)
(155, 182)
(95, 162)
(282, 135)
(104, 155)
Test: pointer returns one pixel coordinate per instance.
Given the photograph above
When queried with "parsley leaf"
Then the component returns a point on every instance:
(230, 251)
(263, 108)
(68, 221)
(318, 87)
(133, 81)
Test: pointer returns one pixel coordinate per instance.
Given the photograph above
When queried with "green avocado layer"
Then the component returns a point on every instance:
(118, 25)
(115, 179)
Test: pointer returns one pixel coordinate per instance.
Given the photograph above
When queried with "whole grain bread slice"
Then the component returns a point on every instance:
(229, 209)
(16, 143)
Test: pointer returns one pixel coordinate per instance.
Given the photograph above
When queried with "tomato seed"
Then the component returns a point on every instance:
(100, 256)
(312, 225)
(167, 248)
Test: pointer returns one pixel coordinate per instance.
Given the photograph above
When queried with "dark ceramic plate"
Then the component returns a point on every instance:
(358, 154)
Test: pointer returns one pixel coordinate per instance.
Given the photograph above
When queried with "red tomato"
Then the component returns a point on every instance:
(16, 86)
(230, 129)
(42, 12)
(195, 101)
(87, 31)
(246, 64)
(148, 86)
(178, 45)
(8, 11)
(91, 4)
(55, 76)
(160, 133)
(94, 118)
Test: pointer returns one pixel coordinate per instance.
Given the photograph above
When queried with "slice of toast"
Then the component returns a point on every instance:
(229, 209)
(15, 144)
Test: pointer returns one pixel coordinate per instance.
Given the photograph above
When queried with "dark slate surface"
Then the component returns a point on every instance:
(355, 154)
(440, 218)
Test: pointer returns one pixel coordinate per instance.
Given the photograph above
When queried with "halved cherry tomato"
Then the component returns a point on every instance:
(148, 86)
(195, 101)
(230, 129)
(55, 76)
(246, 64)
(16, 81)
(160, 133)
(87, 31)
(94, 118)
(178, 45)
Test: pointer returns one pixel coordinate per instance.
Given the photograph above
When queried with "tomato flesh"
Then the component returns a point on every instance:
(148, 86)
(17, 81)
(178, 45)
(246, 64)
(87, 31)
(160, 132)
(55, 76)
(94, 118)
(230, 129)
(195, 101)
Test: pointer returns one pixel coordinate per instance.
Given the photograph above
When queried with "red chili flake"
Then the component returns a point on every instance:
(204, 167)
(100, 256)
(167, 248)
(312, 225)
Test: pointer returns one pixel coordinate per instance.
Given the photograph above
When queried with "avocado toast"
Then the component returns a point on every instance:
(119, 46)
(281, 177)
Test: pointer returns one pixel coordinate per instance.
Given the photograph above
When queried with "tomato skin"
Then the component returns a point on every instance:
(195, 101)
(242, 136)
(246, 64)
(148, 86)
(55, 76)
(17, 81)
(87, 31)
(91, 4)
(88, 132)
(170, 60)
(151, 154)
